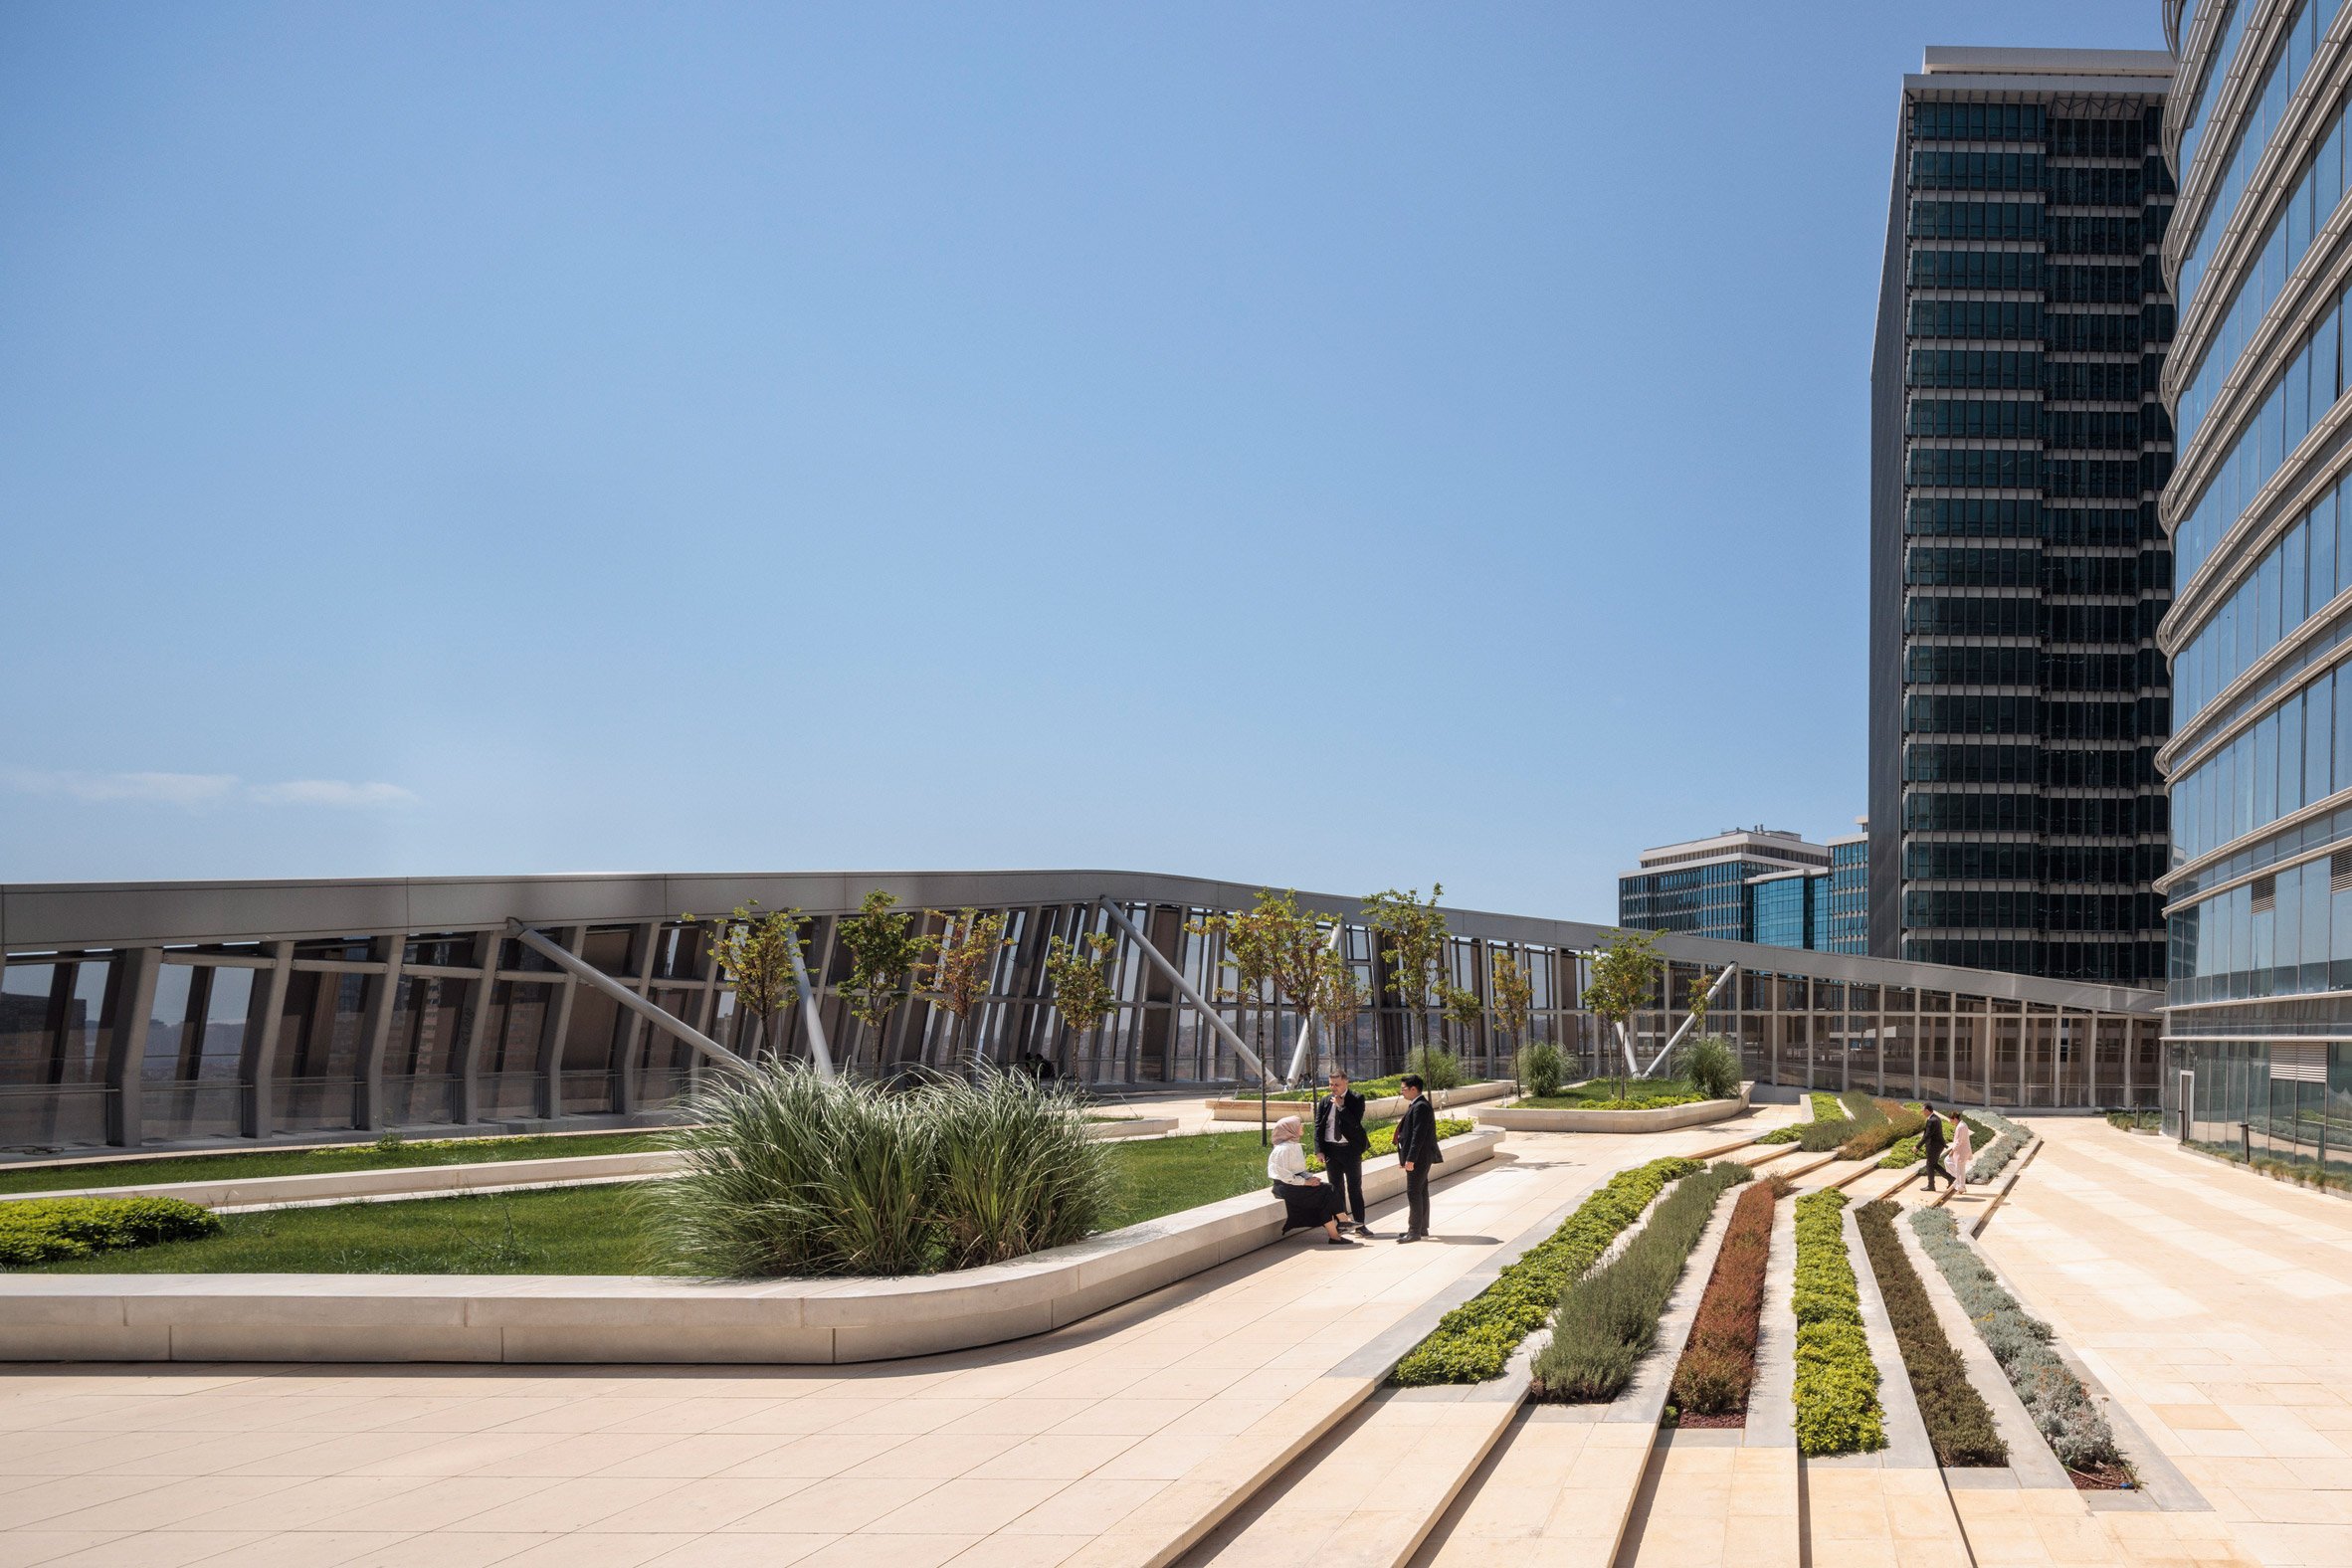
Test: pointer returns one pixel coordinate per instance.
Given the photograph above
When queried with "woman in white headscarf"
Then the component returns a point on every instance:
(1311, 1200)
(1961, 1155)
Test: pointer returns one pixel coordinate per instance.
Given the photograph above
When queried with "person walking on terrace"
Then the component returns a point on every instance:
(1931, 1143)
(1341, 1140)
(1311, 1200)
(1961, 1155)
(1416, 1151)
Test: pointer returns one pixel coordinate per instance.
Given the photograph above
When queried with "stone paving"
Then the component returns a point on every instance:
(2216, 1305)
(1109, 1442)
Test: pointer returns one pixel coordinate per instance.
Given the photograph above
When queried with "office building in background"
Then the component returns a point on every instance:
(1751, 884)
(2260, 994)
(2018, 572)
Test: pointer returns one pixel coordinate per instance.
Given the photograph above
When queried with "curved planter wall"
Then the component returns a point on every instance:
(1666, 1119)
(617, 1319)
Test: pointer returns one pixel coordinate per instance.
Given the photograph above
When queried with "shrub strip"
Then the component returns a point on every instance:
(1959, 1422)
(1837, 1391)
(1474, 1341)
(1607, 1318)
(1718, 1366)
(46, 1229)
(2053, 1395)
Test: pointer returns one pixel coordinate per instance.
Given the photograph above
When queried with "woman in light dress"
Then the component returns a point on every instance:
(1961, 1155)
(1311, 1201)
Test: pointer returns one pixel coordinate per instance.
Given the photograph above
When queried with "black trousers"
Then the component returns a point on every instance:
(1417, 1199)
(1935, 1168)
(1344, 1170)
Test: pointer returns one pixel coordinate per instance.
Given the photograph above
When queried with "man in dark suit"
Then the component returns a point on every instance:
(1931, 1143)
(1416, 1151)
(1342, 1141)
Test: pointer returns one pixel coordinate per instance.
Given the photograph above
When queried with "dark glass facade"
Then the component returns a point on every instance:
(2018, 695)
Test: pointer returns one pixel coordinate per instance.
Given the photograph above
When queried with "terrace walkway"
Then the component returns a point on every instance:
(2216, 1305)
(1106, 1443)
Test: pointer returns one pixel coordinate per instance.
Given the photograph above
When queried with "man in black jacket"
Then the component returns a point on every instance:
(1931, 1143)
(1416, 1151)
(1342, 1141)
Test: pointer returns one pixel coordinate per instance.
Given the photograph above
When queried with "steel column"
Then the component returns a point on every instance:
(1184, 987)
(588, 974)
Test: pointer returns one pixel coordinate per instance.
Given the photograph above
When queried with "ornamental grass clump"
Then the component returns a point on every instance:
(1719, 1365)
(1712, 1066)
(1894, 1126)
(1474, 1341)
(2053, 1395)
(1959, 1422)
(1607, 1318)
(789, 1174)
(48, 1230)
(1837, 1391)
(1543, 1068)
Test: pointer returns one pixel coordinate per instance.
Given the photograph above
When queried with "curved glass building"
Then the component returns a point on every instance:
(2258, 892)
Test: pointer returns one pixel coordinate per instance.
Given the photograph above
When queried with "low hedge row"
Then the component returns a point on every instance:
(1959, 1422)
(1992, 1160)
(45, 1230)
(1383, 1139)
(1474, 1341)
(1607, 1318)
(2054, 1396)
(1719, 1365)
(1837, 1389)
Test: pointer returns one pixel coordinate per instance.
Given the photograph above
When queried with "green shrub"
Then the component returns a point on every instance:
(44, 1229)
(788, 1174)
(1607, 1318)
(1788, 1134)
(1474, 1341)
(2053, 1395)
(1712, 1066)
(1959, 1422)
(1862, 1110)
(1543, 1068)
(1719, 1365)
(1383, 1138)
(1439, 1067)
(1837, 1390)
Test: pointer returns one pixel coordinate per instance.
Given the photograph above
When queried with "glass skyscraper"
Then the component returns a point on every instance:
(2259, 888)
(1845, 918)
(2018, 572)
(1759, 884)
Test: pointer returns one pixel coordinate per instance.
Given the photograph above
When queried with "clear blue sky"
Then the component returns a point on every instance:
(1329, 446)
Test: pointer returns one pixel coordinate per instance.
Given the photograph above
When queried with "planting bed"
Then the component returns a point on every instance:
(1837, 1389)
(1607, 1319)
(1718, 1366)
(390, 1153)
(2053, 1395)
(1474, 1341)
(1959, 1422)
(2008, 1139)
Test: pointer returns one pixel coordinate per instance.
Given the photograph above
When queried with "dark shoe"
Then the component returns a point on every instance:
(1409, 1236)
(1339, 1241)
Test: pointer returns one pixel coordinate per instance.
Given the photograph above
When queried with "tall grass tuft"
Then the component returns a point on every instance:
(1015, 1170)
(788, 1174)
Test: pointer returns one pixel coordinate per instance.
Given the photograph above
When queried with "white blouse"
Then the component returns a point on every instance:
(1287, 1163)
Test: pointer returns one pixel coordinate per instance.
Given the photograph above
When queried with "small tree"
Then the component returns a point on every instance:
(1415, 936)
(1300, 973)
(960, 973)
(1702, 985)
(755, 950)
(1513, 991)
(1463, 1010)
(1252, 947)
(1344, 996)
(1624, 973)
(1083, 991)
(884, 952)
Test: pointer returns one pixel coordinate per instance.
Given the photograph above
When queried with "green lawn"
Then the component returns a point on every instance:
(590, 1230)
(321, 1162)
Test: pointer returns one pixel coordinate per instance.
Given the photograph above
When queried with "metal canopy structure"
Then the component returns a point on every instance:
(182, 1014)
